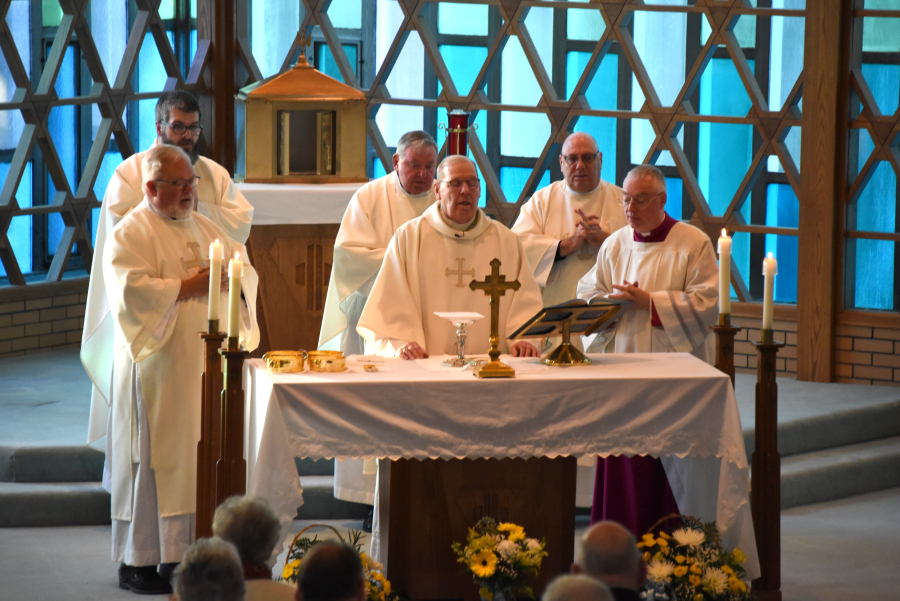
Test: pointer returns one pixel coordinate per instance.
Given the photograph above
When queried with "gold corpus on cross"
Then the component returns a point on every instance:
(459, 272)
(495, 286)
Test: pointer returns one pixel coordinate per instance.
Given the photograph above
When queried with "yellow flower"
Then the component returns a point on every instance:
(664, 535)
(738, 555)
(640, 545)
(483, 564)
(659, 556)
(290, 568)
(680, 558)
(649, 540)
(728, 570)
(646, 555)
(647, 536)
(694, 580)
(662, 543)
(737, 585)
(696, 569)
(698, 597)
(680, 571)
(516, 533)
(482, 542)
(486, 594)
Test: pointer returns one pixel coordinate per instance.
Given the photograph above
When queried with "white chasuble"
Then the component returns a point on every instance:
(428, 267)
(156, 339)
(548, 217)
(681, 275)
(219, 200)
(375, 212)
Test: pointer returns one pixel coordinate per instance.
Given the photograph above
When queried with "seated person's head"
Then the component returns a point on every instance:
(210, 571)
(609, 553)
(570, 587)
(250, 525)
(331, 571)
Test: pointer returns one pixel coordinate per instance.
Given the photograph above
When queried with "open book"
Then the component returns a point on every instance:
(583, 318)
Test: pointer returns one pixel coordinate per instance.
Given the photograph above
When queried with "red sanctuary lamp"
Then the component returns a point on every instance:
(458, 132)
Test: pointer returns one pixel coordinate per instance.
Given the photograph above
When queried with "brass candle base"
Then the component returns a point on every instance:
(767, 336)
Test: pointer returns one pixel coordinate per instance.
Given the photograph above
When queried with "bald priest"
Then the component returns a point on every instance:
(428, 266)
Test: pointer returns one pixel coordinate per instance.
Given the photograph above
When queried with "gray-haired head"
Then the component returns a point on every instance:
(331, 571)
(153, 160)
(415, 138)
(210, 571)
(250, 525)
(176, 99)
(576, 588)
(442, 166)
(651, 171)
(609, 552)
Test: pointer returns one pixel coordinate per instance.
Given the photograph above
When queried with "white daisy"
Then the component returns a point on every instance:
(533, 544)
(507, 549)
(660, 570)
(715, 579)
(689, 537)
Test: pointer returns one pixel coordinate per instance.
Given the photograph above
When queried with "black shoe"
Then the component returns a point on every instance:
(166, 571)
(367, 523)
(145, 581)
(125, 572)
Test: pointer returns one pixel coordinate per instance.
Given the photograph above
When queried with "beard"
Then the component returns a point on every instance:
(191, 152)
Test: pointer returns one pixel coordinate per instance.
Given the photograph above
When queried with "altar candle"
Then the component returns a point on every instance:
(725, 273)
(770, 269)
(216, 255)
(235, 272)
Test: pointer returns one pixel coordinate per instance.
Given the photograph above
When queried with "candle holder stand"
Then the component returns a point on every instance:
(725, 333)
(765, 484)
(231, 469)
(210, 417)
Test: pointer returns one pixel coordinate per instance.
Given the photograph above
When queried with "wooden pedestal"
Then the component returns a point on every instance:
(434, 502)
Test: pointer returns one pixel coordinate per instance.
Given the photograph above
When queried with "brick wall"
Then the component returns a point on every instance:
(867, 355)
(42, 317)
(745, 351)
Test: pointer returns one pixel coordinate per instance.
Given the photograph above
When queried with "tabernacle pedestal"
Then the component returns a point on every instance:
(434, 502)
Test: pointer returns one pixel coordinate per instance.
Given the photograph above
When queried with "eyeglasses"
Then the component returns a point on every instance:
(179, 129)
(456, 184)
(180, 183)
(628, 200)
(587, 159)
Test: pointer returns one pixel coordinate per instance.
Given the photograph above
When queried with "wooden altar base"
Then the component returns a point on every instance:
(434, 502)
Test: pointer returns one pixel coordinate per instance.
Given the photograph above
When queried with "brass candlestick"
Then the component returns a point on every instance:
(725, 333)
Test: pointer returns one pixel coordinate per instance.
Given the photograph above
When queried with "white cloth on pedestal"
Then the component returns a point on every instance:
(428, 267)
(681, 275)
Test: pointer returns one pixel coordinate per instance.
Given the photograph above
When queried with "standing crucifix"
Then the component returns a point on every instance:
(495, 286)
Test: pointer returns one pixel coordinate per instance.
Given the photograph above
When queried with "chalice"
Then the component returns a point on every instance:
(460, 320)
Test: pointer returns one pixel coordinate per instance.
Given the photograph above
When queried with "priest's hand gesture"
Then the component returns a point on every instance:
(589, 229)
(630, 292)
(412, 350)
(522, 348)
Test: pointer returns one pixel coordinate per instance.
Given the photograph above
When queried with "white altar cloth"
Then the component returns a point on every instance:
(669, 405)
(287, 204)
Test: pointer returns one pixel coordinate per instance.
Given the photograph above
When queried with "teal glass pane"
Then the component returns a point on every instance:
(674, 190)
(166, 9)
(604, 131)
(725, 154)
(518, 84)
(874, 287)
(462, 19)
(642, 137)
(18, 19)
(407, 79)
(784, 248)
(602, 92)
(740, 254)
(660, 40)
(61, 121)
(584, 25)
(721, 90)
(463, 64)
(326, 63)
(884, 82)
(744, 31)
(273, 27)
(792, 143)
(151, 75)
(12, 126)
(55, 227)
(109, 28)
(881, 34)
(523, 134)
(111, 160)
(513, 180)
(782, 207)
(785, 58)
(346, 14)
(20, 237)
(377, 168)
(146, 134)
(876, 208)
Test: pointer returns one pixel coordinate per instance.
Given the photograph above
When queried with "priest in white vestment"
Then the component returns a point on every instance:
(156, 269)
(428, 266)
(178, 123)
(668, 270)
(375, 212)
(563, 225)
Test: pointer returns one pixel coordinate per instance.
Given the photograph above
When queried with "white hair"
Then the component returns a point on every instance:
(210, 571)
(154, 159)
(576, 588)
(249, 524)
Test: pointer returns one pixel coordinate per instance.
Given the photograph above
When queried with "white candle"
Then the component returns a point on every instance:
(725, 273)
(235, 272)
(770, 270)
(216, 255)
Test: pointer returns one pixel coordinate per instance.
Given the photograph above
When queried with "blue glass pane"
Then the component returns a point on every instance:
(740, 254)
(642, 136)
(518, 84)
(785, 58)
(523, 134)
(55, 227)
(782, 207)
(674, 191)
(877, 204)
(109, 28)
(604, 131)
(346, 14)
(396, 120)
(513, 180)
(721, 90)
(12, 126)
(193, 49)
(61, 123)
(146, 134)
(18, 19)
(326, 63)
(377, 168)
(884, 82)
(874, 274)
(784, 248)
(407, 78)
(462, 19)
(463, 64)
(273, 27)
(584, 25)
(111, 160)
(95, 223)
(725, 153)
(20, 238)
(660, 40)
(881, 34)
(602, 92)
(151, 75)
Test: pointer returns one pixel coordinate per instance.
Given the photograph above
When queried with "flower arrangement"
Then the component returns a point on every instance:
(378, 588)
(499, 557)
(690, 565)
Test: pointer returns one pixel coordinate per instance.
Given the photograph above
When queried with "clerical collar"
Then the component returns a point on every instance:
(459, 227)
(571, 191)
(400, 188)
(659, 234)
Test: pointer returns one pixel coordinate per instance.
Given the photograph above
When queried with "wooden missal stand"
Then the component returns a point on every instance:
(725, 333)
(210, 418)
(765, 484)
(495, 286)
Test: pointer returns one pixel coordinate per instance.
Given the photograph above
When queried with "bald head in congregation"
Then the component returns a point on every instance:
(569, 587)
(428, 266)
(564, 224)
(608, 552)
(331, 571)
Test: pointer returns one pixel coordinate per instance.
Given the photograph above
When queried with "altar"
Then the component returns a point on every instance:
(669, 405)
